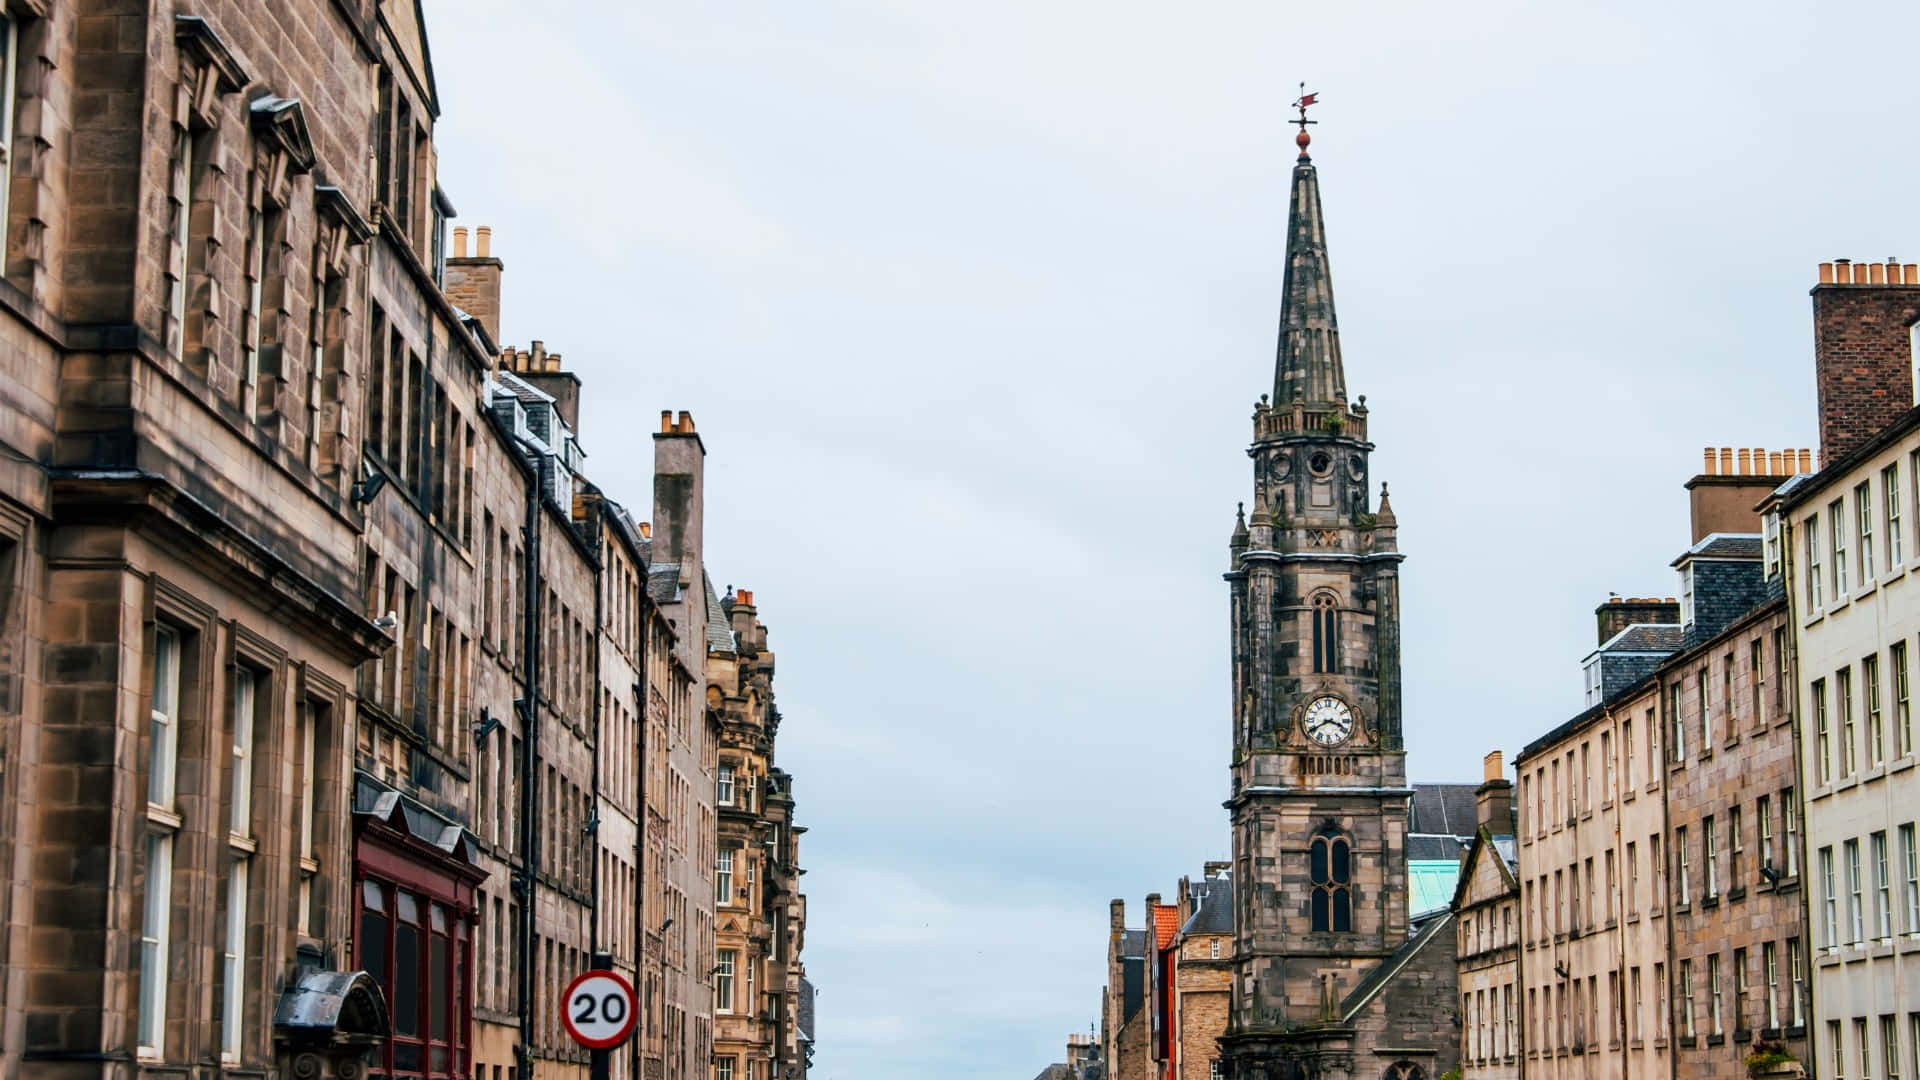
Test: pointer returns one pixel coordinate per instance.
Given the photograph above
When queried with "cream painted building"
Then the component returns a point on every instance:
(1847, 540)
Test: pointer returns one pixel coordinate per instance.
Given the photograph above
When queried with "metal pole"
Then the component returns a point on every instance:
(599, 1061)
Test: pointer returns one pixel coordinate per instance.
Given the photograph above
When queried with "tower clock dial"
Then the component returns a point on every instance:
(1327, 721)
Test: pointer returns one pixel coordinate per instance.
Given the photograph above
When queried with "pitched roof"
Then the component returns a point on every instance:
(1133, 943)
(1166, 921)
(1725, 546)
(1212, 906)
(1444, 810)
(1308, 367)
(719, 634)
(1380, 976)
(803, 1010)
(1644, 638)
(1431, 883)
(663, 581)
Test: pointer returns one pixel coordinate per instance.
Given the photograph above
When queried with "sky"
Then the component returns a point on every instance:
(971, 303)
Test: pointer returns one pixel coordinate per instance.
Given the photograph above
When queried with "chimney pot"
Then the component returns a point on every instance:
(1726, 461)
(459, 241)
(483, 236)
(1711, 462)
(1876, 274)
(1806, 460)
(1495, 766)
(666, 421)
(1826, 273)
(1746, 462)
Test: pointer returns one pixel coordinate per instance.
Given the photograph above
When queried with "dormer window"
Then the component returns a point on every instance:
(1770, 527)
(1686, 596)
(1594, 682)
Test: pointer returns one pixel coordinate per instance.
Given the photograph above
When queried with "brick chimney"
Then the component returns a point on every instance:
(679, 499)
(473, 281)
(1733, 481)
(1494, 797)
(1862, 349)
(1618, 613)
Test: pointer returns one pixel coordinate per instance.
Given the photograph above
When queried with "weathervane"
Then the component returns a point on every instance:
(1305, 99)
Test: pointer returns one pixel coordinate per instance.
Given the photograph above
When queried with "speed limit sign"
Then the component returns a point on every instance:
(598, 1009)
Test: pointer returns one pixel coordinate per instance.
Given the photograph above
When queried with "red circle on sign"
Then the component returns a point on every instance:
(585, 1014)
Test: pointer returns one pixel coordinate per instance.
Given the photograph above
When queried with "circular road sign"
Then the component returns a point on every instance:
(598, 1009)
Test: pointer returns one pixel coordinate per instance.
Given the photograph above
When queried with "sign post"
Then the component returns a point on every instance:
(598, 1010)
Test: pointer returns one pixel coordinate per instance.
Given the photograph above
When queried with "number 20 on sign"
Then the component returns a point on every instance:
(598, 1009)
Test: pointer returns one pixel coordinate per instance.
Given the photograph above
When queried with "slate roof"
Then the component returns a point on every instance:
(1422, 846)
(1644, 638)
(1384, 972)
(521, 388)
(1056, 1071)
(804, 1009)
(1213, 906)
(663, 582)
(1133, 943)
(719, 634)
(1444, 810)
(1725, 546)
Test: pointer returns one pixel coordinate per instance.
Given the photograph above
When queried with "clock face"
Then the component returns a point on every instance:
(1327, 721)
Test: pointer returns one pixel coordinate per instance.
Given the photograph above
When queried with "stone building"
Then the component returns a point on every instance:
(342, 718)
(1843, 544)
(1123, 1018)
(1332, 977)
(1591, 864)
(1202, 983)
(1660, 902)
(760, 913)
(1735, 944)
(1486, 908)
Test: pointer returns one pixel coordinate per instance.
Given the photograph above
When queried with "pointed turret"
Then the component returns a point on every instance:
(1307, 369)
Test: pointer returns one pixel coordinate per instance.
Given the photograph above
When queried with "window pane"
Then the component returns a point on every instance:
(1341, 871)
(1317, 860)
(1319, 909)
(441, 984)
(1342, 911)
(409, 1004)
(373, 950)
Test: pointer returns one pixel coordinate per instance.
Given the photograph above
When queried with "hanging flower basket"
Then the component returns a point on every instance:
(1771, 1059)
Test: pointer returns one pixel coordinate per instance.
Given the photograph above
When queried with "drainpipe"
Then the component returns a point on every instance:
(526, 876)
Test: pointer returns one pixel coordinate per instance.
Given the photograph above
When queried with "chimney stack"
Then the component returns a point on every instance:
(473, 282)
(1495, 797)
(1618, 613)
(1722, 498)
(1862, 350)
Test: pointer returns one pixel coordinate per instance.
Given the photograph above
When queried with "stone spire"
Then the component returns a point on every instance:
(1308, 368)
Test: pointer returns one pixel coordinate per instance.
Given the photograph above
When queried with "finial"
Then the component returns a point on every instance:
(1301, 140)
(1383, 489)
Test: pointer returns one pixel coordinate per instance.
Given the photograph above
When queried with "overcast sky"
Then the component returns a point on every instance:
(971, 302)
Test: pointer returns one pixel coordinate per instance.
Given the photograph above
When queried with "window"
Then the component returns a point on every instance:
(1902, 701)
(1213, 949)
(1741, 988)
(1783, 674)
(1329, 861)
(1860, 1039)
(1798, 977)
(1736, 848)
(1639, 1013)
(1606, 763)
(1856, 913)
(312, 716)
(1890, 1047)
(1839, 1050)
(1770, 971)
(1593, 674)
(1586, 777)
(233, 959)
(723, 785)
(1633, 880)
(1659, 865)
(1756, 683)
(1813, 562)
(162, 824)
(1326, 634)
(1792, 816)
(1882, 887)
(1613, 911)
(723, 879)
(1822, 739)
(416, 948)
(1863, 521)
(723, 981)
(1770, 529)
(1764, 812)
(1713, 995)
(1682, 876)
(9, 76)
(723, 1068)
(1837, 532)
(1843, 701)
(1686, 999)
(1660, 999)
(1686, 595)
(1830, 900)
(1679, 743)
(1711, 856)
(1910, 871)
(1890, 503)
(1626, 753)
(1652, 728)
(1876, 730)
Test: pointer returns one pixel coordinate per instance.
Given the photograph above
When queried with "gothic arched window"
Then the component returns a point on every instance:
(1330, 867)
(1326, 634)
(1405, 1070)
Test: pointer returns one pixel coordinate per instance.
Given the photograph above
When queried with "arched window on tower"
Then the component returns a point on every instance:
(1330, 866)
(1405, 1070)
(1326, 634)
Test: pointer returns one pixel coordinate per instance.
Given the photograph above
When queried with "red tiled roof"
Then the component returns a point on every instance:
(1166, 921)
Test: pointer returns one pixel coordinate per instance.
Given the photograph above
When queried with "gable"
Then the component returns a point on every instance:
(1484, 875)
(408, 30)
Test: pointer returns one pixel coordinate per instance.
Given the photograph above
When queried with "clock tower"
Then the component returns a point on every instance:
(1320, 795)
